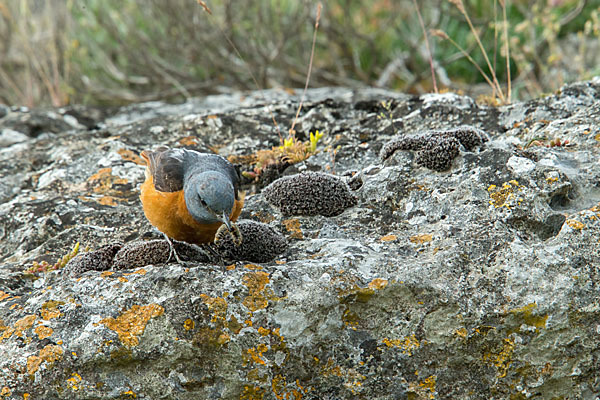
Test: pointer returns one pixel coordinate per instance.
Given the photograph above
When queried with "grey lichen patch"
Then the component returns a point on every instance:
(97, 260)
(260, 243)
(437, 149)
(310, 193)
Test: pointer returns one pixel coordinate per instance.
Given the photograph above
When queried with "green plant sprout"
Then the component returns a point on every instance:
(387, 105)
(44, 266)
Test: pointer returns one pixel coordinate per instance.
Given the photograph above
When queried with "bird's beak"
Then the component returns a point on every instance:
(226, 220)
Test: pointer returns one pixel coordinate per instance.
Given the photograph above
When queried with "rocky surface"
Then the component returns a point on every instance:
(478, 282)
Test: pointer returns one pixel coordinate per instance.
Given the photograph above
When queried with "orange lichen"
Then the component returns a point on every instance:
(20, 326)
(107, 201)
(223, 338)
(252, 393)
(575, 224)
(420, 239)
(3, 295)
(49, 354)
(462, 332)
(130, 394)
(263, 331)
(43, 331)
(103, 180)
(218, 307)
(50, 310)
(6, 332)
(293, 226)
(188, 141)
(279, 387)
(129, 155)
(388, 238)
(378, 283)
(255, 354)
(140, 271)
(350, 319)
(352, 379)
(33, 364)
(132, 323)
(253, 266)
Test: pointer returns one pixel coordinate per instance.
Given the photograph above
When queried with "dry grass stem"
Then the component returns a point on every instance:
(430, 57)
(310, 64)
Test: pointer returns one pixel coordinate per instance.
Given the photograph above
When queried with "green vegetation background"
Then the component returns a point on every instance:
(55, 52)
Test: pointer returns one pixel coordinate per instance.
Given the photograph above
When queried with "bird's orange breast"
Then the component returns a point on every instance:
(168, 212)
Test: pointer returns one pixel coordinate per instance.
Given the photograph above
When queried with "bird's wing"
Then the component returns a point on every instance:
(166, 167)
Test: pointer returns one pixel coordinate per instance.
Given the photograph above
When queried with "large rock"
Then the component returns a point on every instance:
(478, 282)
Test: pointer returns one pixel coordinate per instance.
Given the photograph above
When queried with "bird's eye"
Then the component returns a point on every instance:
(202, 202)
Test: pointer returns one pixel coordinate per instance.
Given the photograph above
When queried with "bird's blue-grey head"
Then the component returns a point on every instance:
(209, 197)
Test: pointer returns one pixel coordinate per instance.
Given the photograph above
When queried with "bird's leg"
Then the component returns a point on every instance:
(172, 252)
(216, 257)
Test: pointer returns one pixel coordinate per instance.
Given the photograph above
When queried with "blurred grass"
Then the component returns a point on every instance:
(55, 52)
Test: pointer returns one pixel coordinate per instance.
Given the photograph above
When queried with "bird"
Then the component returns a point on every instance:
(189, 196)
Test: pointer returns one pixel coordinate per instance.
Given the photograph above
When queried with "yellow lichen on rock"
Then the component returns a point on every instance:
(502, 359)
(527, 316)
(505, 196)
(131, 324)
(188, 324)
(252, 392)
(378, 283)
(406, 344)
(425, 389)
(74, 381)
(258, 296)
